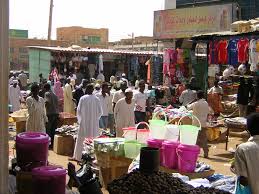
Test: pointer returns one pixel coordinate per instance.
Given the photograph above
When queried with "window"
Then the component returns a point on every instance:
(91, 39)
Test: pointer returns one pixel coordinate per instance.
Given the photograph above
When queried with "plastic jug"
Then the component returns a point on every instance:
(32, 150)
(170, 159)
(49, 179)
(187, 157)
(158, 127)
(189, 133)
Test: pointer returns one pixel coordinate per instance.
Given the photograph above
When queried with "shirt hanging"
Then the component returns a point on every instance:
(222, 52)
(100, 63)
(243, 45)
(213, 52)
(233, 52)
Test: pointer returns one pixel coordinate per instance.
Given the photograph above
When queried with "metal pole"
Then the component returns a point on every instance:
(4, 72)
(50, 20)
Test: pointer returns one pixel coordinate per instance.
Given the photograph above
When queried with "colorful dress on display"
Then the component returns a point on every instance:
(253, 55)
(213, 52)
(166, 62)
(233, 52)
(222, 52)
(243, 45)
(180, 57)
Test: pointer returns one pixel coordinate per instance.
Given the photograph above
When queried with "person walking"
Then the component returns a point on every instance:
(124, 113)
(111, 92)
(69, 105)
(141, 103)
(58, 90)
(104, 99)
(187, 96)
(52, 110)
(201, 110)
(119, 94)
(80, 91)
(23, 79)
(242, 97)
(89, 111)
(15, 96)
(36, 110)
(247, 156)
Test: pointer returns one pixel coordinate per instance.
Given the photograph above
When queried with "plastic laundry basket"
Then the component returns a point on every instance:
(158, 127)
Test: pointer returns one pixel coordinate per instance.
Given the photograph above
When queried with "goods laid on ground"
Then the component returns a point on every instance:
(156, 183)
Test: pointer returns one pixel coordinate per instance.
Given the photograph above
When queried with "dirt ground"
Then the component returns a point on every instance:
(219, 158)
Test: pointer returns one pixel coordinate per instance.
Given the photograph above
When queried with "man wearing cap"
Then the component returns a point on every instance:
(124, 112)
(15, 96)
(123, 78)
(23, 79)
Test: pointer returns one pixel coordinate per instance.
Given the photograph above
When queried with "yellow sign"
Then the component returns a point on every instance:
(184, 23)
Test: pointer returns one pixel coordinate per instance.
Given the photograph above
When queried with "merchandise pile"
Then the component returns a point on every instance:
(67, 130)
(155, 183)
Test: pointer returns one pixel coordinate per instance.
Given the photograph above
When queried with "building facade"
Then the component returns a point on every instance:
(140, 43)
(84, 37)
(19, 52)
(248, 9)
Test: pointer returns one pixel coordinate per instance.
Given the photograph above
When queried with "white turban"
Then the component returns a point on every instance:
(128, 90)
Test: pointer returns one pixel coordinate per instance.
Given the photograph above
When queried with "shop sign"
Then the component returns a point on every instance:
(91, 39)
(16, 33)
(184, 23)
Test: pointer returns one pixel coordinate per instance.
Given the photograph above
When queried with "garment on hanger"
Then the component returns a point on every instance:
(100, 63)
(222, 52)
(253, 55)
(213, 52)
(243, 45)
(233, 52)
(180, 58)
(173, 56)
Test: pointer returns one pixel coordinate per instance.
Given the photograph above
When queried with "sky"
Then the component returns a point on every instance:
(121, 17)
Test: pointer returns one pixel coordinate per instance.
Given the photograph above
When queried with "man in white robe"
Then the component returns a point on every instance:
(124, 112)
(89, 111)
(69, 105)
(15, 96)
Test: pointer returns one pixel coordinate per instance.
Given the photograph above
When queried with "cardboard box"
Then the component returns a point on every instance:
(20, 126)
(64, 145)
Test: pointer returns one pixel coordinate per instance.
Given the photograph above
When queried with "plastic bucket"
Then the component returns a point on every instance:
(170, 159)
(187, 157)
(149, 160)
(32, 150)
(189, 133)
(156, 143)
(49, 179)
(157, 127)
(132, 149)
(129, 133)
(172, 132)
(142, 134)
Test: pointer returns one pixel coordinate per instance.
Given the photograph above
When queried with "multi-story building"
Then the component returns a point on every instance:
(19, 42)
(247, 8)
(85, 37)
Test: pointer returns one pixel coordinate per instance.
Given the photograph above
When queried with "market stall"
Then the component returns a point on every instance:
(88, 62)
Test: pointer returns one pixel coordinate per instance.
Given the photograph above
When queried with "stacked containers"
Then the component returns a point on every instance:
(32, 150)
(49, 179)
(156, 143)
(170, 159)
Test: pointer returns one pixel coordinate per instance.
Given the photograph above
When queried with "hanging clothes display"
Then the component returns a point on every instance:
(233, 52)
(180, 57)
(243, 45)
(134, 65)
(222, 52)
(100, 63)
(213, 52)
(253, 55)
(157, 69)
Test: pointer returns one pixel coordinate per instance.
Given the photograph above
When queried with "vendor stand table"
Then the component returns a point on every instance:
(241, 126)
